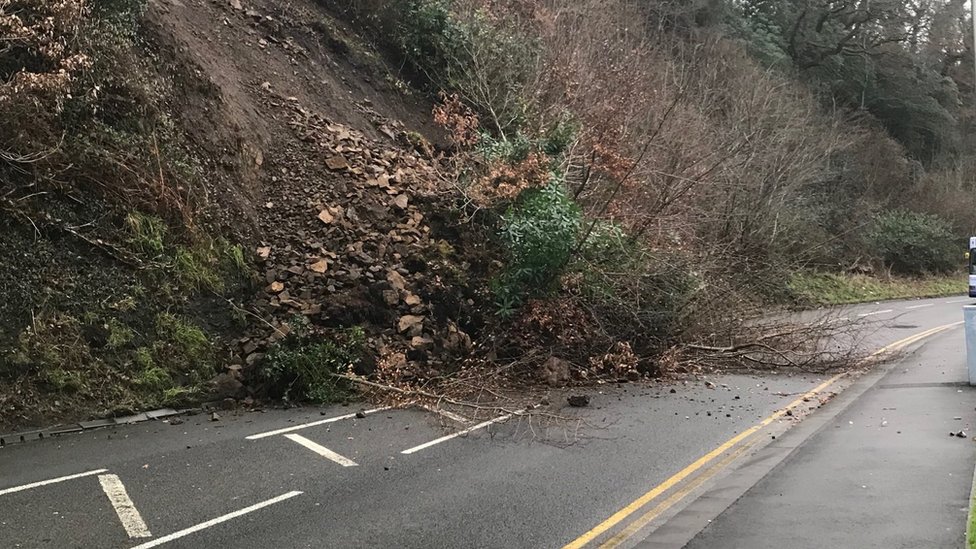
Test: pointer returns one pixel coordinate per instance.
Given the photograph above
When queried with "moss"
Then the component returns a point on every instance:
(195, 271)
(187, 339)
(154, 377)
(63, 380)
(119, 335)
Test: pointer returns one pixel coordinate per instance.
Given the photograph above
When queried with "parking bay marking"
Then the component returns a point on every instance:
(462, 432)
(312, 424)
(50, 481)
(321, 450)
(124, 508)
(213, 522)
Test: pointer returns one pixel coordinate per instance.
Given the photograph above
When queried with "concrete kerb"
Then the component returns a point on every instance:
(58, 430)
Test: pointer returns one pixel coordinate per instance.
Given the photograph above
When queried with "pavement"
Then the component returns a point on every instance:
(883, 473)
(410, 478)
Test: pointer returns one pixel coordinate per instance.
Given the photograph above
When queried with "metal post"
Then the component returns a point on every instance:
(969, 314)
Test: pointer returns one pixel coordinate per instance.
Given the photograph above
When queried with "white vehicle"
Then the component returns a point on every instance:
(972, 266)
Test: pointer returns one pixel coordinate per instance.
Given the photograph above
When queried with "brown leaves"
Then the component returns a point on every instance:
(454, 116)
(263, 252)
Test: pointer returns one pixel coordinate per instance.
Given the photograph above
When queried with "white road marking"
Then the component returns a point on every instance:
(921, 306)
(312, 424)
(960, 300)
(457, 434)
(124, 508)
(50, 481)
(213, 522)
(862, 315)
(322, 450)
(447, 413)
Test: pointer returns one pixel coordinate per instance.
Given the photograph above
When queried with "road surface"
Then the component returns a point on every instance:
(406, 478)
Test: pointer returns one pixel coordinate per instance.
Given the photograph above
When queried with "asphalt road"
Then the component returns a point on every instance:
(882, 474)
(398, 478)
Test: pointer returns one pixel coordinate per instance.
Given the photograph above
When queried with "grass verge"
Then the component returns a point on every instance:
(835, 289)
(971, 523)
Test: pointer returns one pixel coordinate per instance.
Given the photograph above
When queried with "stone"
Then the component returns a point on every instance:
(421, 343)
(337, 162)
(226, 385)
(578, 401)
(397, 280)
(411, 325)
(556, 371)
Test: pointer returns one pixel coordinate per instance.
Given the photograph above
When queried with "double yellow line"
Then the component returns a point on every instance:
(716, 468)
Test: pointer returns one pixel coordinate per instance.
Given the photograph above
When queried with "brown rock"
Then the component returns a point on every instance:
(397, 280)
(337, 162)
(401, 201)
(421, 343)
(264, 251)
(412, 325)
(320, 266)
(276, 287)
(556, 371)
(325, 216)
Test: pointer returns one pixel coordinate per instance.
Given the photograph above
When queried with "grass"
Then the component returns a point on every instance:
(835, 289)
(971, 526)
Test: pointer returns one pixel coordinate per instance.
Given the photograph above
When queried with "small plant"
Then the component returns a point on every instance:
(147, 234)
(64, 381)
(195, 270)
(183, 350)
(154, 378)
(305, 366)
(119, 335)
(539, 232)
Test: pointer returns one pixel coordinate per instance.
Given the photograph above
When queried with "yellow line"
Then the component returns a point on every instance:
(681, 475)
(646, 518)
(687, 471)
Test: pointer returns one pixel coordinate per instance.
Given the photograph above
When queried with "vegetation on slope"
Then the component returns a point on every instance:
(614, 170)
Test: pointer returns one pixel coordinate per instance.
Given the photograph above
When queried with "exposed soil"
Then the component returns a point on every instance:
(317, 160)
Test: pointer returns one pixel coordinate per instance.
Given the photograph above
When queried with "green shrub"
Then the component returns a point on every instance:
(481, 56)
(539, 233)
(914, 243)
(304, 367)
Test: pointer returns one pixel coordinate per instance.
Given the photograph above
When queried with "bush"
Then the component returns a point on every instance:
(640, 296)
(539, 232)
(304, 366)
(479, 55)
(914, 243)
